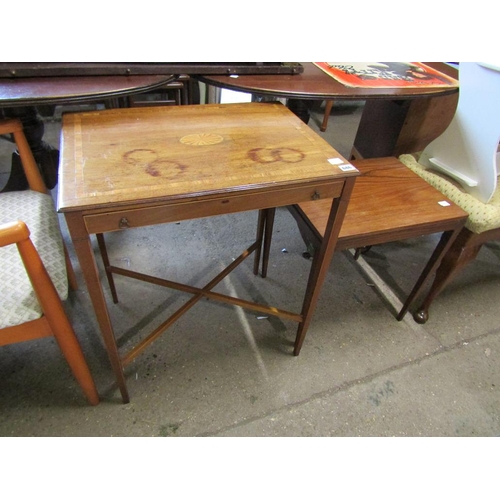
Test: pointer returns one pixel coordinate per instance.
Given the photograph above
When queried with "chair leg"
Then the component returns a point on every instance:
(328, 110)
(462, 251)
(56, 317)
(70, 347)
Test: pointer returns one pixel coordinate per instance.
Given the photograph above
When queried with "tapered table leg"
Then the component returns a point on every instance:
(321, 262)
(85, 254)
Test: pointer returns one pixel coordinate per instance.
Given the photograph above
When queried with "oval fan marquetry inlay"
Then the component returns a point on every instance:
(201, 139)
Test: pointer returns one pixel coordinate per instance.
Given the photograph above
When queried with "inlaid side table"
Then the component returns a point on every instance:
(126, 168)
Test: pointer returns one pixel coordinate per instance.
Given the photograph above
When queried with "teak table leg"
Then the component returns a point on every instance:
(261, 223)
(105, 260)
(264, 236)
(321, 261)
(268, 231)
(445, 242)
(85, 254)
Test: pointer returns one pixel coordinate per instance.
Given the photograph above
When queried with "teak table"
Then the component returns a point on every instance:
(127, 168)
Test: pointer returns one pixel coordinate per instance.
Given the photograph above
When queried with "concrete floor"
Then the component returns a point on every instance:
(221, 371)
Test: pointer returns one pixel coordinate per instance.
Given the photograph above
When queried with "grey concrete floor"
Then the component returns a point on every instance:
(221, 371)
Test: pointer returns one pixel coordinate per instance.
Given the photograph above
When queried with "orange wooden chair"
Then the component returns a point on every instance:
(35, 268)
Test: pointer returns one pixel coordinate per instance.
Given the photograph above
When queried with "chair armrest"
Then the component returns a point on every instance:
(13, 232)
(10, 126)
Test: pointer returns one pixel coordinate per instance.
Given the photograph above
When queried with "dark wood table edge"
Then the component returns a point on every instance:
(338, 90)
(75, 98)
(325, 96)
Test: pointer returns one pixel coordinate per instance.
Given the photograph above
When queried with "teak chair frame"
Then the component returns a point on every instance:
(54, 321)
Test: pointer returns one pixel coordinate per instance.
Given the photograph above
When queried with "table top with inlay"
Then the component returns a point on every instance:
(143, 156)
(134, 167)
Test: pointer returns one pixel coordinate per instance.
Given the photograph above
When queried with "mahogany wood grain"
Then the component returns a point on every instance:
(389, 203)
(394, 120)
(313, 83)
(69, 90)
(142, 156)
(394, 127)
(133, 167)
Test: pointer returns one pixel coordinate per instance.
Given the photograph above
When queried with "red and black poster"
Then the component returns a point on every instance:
(386, 74)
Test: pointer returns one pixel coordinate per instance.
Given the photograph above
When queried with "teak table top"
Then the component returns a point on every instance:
(389, 202)
(132, 156)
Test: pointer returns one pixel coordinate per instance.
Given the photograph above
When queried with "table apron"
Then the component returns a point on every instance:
(114, 220)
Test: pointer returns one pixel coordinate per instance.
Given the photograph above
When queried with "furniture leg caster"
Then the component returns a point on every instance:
(421, 316)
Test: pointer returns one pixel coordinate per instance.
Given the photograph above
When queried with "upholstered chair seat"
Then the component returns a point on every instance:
(19, 303)
(482, 216)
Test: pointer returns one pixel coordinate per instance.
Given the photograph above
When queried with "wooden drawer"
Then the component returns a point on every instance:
(218, 205)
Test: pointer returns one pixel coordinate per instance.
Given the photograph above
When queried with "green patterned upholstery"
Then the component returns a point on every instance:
(18, 302)
(482, 216)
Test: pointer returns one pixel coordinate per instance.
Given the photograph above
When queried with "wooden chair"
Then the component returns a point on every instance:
(388, 203)
(35, 268)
